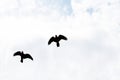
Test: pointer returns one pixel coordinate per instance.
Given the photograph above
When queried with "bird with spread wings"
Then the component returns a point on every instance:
(57, 39)
(22, 55)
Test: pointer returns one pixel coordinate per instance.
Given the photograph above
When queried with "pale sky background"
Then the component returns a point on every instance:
(92, 51)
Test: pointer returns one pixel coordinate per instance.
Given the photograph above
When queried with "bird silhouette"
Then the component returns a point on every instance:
(56, 39)
(22, 55)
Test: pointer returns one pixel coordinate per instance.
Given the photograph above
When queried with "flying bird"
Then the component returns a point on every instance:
(57, 39)
(22, 55)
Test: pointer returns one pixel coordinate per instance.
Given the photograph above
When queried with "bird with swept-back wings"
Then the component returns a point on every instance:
(22, 55)
(57, 39)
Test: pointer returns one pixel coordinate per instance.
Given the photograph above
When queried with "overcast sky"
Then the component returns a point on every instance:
(92, 51)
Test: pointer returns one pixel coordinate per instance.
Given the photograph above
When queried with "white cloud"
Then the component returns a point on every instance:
(91, 52)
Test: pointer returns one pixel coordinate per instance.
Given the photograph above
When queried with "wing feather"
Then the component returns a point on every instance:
(62, 37)
(18, 53)
(28, 56)
(51, 40)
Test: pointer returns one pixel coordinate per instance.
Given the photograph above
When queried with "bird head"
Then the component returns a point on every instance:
(22, 52)
(55, 35)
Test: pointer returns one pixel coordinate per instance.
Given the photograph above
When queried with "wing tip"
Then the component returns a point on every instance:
(50, 40)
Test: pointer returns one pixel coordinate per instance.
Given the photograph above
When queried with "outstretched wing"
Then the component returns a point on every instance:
(62, 37)
(28, 56)
(51, 40)
(18, 53)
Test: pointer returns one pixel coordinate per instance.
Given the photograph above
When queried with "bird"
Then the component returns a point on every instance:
(22, 55)
(56, 39)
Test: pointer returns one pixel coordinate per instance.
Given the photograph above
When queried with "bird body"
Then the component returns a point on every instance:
(22, 55)
(56, 39)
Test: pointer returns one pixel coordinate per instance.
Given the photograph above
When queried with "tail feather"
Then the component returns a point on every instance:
(58, 44)
(21, 60)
